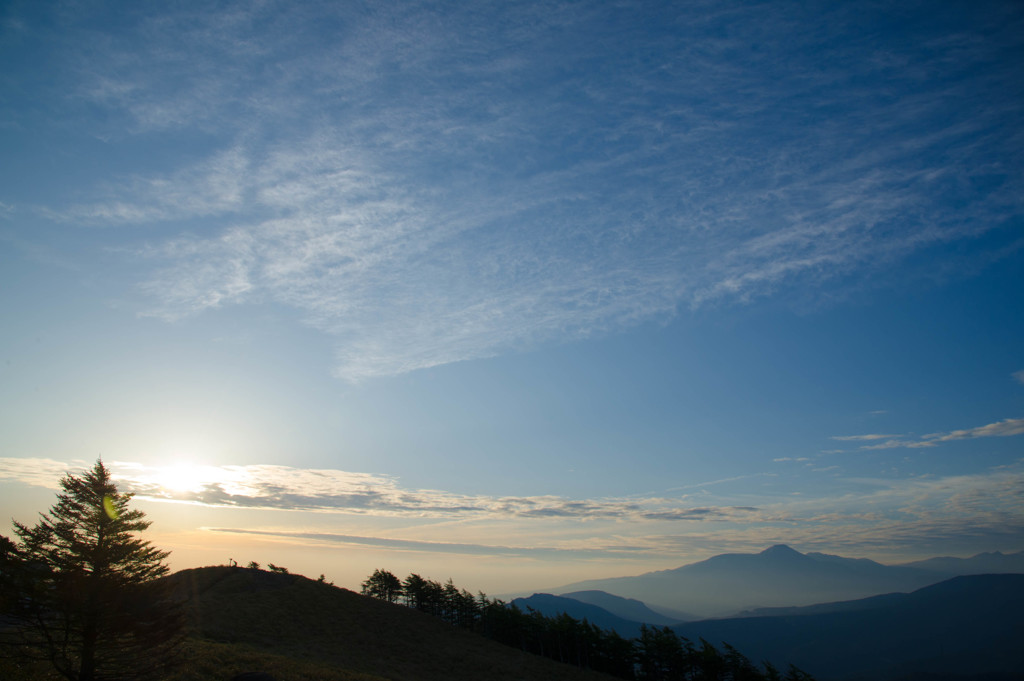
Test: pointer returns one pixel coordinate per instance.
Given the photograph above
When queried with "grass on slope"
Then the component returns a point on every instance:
(296, 629)
(208, 660)
(211, 661)
(322, 626)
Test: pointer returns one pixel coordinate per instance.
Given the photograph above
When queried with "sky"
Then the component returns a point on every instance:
(517, 293)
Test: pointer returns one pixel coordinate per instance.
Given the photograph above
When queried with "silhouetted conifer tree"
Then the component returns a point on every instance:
(383, 585)
(414, 590)
(83, 588)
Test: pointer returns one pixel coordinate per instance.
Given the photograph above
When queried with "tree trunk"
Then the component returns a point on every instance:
(87, 671)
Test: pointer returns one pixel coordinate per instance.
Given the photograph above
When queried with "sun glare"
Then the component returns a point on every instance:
(186, 477)
(185, 480)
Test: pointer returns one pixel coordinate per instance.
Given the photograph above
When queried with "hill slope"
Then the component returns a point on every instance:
(966, 626)
(297, 618)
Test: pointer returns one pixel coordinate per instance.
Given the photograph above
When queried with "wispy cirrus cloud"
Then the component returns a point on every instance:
(861, 438)
(215, 186)
(896, 444)
(1004, 428)
(434, 184)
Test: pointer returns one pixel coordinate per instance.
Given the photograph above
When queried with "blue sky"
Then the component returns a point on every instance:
(518, 293)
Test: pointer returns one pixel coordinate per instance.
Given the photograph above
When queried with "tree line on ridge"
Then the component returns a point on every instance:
(658, 654)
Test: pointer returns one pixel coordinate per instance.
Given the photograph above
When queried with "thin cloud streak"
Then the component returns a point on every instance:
(435, 547)
(1004, 428)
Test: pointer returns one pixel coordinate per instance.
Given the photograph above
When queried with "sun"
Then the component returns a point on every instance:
(184, 477)
(186, 481)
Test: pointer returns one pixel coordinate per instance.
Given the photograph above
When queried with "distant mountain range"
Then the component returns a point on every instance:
(782, 577)
(981, 564)
(967, 627)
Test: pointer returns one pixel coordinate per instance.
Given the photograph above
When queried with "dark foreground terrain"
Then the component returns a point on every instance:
(303, 629)
(297, 629)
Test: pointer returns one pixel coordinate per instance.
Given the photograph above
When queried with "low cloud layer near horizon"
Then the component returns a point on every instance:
(878, 516)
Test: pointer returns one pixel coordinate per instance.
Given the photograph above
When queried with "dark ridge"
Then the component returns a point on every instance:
(236, 611)
(966, 627)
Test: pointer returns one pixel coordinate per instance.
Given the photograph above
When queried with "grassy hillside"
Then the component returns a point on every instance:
(297, 629)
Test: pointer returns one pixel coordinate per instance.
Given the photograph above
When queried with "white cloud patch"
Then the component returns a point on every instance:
(1018, 376)
(38, 472)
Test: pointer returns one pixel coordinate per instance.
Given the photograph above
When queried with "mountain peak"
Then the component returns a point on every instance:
(780, 551)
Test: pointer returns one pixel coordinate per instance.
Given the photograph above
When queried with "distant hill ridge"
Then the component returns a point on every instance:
(780, 576)
(553, 606)
(628, 608)
(995, 562)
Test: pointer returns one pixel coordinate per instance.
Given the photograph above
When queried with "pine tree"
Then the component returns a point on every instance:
(383, 585)
(87, 596)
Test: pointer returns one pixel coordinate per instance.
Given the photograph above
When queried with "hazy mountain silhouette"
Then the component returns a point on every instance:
(983, 563)
(629, 608)
(553, 606)
(965, 627)
(778, 576)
